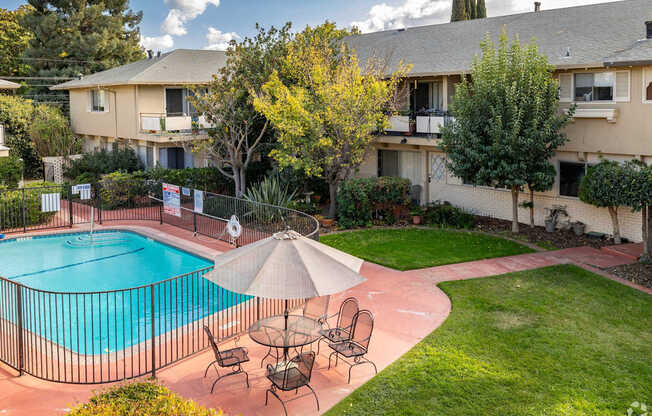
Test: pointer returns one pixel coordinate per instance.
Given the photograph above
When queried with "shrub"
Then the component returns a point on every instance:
(303, 206)
(446, 215)
(16, 115)
(123, 190)
(361, 201)
(101, 162)
(140, 399)
(51, 134)
(205, 179)
(11, 170)
(11, 205)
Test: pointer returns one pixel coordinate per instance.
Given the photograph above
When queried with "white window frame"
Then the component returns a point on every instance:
(105, 101)
(646, 81)
(613, 93)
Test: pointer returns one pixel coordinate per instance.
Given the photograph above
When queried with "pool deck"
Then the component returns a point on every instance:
(407, 306)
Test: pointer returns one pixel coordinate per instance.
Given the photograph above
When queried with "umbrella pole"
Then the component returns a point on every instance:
(285, 350)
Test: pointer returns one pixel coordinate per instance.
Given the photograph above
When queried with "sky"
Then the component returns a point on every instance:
(211, 24)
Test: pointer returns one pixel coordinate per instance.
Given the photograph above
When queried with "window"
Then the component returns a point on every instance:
(426, 96)
(570, 176)
(401, 164)
(597, 86)
(98, 101)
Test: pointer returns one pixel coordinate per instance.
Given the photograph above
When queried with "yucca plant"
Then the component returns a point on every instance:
(270, 191)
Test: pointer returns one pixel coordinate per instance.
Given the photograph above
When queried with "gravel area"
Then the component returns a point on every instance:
(639, 273)
(539, 236)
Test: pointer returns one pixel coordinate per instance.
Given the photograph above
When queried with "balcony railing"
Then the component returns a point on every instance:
(158, 123)
(421, 123)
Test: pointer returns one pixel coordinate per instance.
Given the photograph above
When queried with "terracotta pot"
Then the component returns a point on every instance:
(416, 219)
(317, 198)
(327, 222)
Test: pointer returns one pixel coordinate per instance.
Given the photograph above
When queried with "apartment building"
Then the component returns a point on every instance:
(603, 59)
(145, 105)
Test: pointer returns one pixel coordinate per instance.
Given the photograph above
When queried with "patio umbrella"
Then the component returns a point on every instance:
(286, 266)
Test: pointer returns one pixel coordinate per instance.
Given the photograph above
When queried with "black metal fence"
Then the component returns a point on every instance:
(50, 207)
(100, 337)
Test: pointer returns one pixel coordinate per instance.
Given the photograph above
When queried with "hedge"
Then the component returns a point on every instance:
(363, 201)
(140, 399)
(446, 215)
(11, 206)
(11, 171)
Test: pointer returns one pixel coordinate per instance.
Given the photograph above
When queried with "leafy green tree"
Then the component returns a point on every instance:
(50, 133)
(480, 10)
(14, 39)
(458, 11)
(16, 115)
(240, 132)
(507, 121)
(329, 110)
(638, 188)
(605, 186)
(11, 171)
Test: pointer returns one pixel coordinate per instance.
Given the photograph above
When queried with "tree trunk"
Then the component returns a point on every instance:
(515, 190)
(613, 211)
(645, 233)
(236, 179)
(531, 208)
(243, 180)
(332, 190)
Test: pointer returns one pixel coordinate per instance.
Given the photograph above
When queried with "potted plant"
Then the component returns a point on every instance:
(416, 213)
(578, 227)
(327, 222)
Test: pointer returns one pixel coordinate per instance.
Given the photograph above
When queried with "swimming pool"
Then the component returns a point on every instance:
(96, 295)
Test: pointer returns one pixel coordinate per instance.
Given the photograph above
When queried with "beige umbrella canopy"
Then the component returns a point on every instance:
(286, 266)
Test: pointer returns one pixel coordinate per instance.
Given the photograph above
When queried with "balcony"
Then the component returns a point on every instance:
(423, 123)
(164, 124)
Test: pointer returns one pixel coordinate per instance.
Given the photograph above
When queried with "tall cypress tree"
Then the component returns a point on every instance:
(470, 9)
(480, 10)
(459, 11)
(80, 37)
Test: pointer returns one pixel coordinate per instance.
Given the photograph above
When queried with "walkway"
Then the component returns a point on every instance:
(407, 305)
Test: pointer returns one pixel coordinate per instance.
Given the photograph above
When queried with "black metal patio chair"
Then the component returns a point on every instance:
(317, 308)
(228, 358)
(295, 374)
(342, 330)
(357, 346)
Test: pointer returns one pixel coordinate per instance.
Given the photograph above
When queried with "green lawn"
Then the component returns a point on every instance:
(415, 248)
(556, 341)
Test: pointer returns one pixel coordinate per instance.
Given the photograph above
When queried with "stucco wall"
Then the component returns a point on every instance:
(120, 117)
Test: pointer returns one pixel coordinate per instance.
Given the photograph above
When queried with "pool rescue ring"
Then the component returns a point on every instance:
(233, 227)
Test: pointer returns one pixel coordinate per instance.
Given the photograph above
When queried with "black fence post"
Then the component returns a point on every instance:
(257, 308)
(24, 220)
(19, 316)
(160, 213)
(70, 204)
(194, 222)
(153, 335)
(99, 203)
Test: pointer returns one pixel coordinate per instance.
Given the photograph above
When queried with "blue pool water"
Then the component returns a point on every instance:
(96, 323)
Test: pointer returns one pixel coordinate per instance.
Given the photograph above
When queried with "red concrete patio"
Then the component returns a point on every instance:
(407, 305)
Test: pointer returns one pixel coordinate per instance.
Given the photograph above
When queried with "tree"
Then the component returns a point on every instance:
(470, 9)
(507, 121)
(14, 40)
(329, 110)
(481, 10)
(80, 37)
(239, 130)
(458, 11)
(16, 115)
(639, 198)
(541, 178)
(51, 134)
(604, 186)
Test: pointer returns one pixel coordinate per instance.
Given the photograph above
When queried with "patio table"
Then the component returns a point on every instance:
(273, 332)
